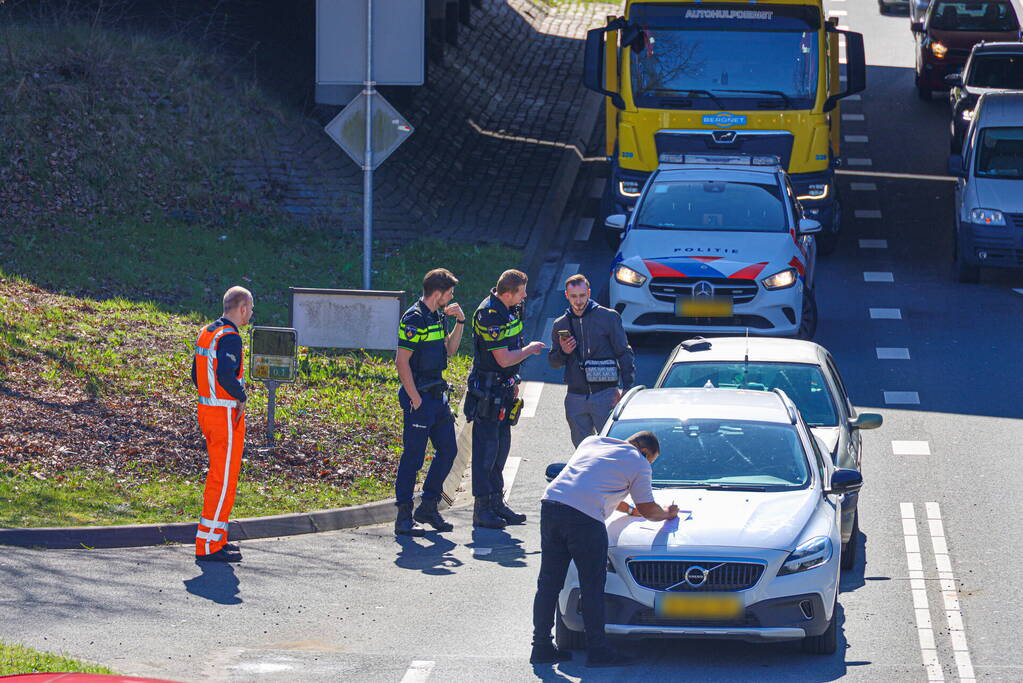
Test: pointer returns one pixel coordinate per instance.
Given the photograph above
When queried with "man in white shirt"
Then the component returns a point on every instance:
(594, 483)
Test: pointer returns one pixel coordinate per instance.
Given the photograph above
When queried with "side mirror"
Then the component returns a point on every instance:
(955, 80)
(855, 67)
(845, 481)
(917, 27)
(808, 226)
(866, 421)
(616, 221)
(955, 166)
(593, 61)
(553, 470)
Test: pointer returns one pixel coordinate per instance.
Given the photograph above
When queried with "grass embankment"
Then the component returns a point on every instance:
(119, 231)
(15, 659)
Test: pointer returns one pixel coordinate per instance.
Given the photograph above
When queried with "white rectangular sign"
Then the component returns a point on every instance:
(346, 318)
(399, 42)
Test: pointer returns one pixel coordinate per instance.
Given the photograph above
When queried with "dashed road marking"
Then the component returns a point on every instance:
(857, 138)
(530, 393)
(853, 117)
(418, 671)
(837, 13)
(873, 244)
(949, 594)
(867, 213)
(921, 608)
(892, 353)
(854, 161)
(479, 552)
(548, 330)
(842, 27)
(911, 448)
(886, 313)
(511, 468)
(863, 187)
(904, 398)
(878, 276)
(583, 230)
(568, 271)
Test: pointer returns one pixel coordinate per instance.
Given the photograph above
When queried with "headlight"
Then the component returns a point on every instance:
(813, 553)
(628, 276)
(938, 50)
(987, 217)
(967, 114)
(629, 188)
(815, 191)
(781, 279)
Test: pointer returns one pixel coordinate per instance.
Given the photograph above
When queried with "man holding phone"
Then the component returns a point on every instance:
(589, 342)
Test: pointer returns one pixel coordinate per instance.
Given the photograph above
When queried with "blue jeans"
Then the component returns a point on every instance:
(433, 422)
(491, 442)
(566, 535)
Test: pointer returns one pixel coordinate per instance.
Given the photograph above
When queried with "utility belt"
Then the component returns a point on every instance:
(436, 388)
(490, 396)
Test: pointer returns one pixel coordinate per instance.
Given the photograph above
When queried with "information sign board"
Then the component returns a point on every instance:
(274, 354)
(346, 318)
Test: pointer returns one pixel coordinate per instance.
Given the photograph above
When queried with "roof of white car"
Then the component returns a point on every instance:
(709, 404)
(1000, 108)
(735, 174)
(763, 349)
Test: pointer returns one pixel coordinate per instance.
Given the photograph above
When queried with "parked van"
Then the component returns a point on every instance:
(989, 188)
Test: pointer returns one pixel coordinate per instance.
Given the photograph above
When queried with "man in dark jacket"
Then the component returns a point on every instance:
(589, 342)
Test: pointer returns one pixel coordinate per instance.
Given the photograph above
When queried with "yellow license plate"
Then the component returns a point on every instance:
(704, 307)
(704, 606)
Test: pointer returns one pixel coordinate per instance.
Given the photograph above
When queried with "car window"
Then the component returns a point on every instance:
(713, 205)
(996, 71)
(1000, 153)
(972, 16)
(723, 452)
(822, 469)
(833, 369)
(801, 382)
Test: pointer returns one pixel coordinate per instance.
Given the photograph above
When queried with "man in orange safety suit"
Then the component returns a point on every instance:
(218, 374)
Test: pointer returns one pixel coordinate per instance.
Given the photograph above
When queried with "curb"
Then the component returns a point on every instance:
(291, 524)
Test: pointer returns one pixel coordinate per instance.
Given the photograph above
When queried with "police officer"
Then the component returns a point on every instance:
(498, 350)
(423, 349)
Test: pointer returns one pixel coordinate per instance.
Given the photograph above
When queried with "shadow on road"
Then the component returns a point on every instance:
(430, 554)
(493, 545)
(217, 583)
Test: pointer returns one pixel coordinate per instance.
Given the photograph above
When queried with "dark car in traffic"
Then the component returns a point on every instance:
(949, 31)
(991, 67)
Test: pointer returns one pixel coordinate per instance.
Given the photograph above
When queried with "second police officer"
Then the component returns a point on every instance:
(422, 356)
(492, 402)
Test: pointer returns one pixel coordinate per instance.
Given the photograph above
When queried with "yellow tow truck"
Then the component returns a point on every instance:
(760, 77)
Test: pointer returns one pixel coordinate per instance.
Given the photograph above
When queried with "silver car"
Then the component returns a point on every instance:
(807, 374)
(917, 9)
(989, 188)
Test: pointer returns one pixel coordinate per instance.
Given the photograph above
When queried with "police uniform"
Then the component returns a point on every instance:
(494, 327)
(422, 332)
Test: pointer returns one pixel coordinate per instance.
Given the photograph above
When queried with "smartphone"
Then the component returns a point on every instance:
(564, 334)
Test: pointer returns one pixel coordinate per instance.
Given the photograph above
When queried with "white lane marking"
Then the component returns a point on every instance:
(859, 162)
(905, 398)
(597, 188)
(837, 13)
(548, 330)
(949, 593)
(857, 138)
(568, 271)
(889, 174)
(873, 244)
(530, 393)
(418, 671)
(877, 276)
(853, 98)
(511, 468)
(853, 117)
(481, 551)
(261, 667)
(863, 187)
(922, 611)
(886, 313)
(867, 213)
(911, 448)
(582, 232)
(892, 353)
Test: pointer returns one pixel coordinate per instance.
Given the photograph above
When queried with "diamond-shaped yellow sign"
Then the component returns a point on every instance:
(348, 129)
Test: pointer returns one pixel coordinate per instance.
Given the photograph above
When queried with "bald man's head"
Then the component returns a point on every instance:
(238, 305)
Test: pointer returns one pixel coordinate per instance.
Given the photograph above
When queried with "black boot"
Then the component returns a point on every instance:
(403, 524)
(505, 512)
(483, 516)
(427, 513)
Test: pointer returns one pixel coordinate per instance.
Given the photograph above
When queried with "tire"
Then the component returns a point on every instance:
(808, 316)
(850, 550)
(827, 642)
(827, 239)
(565, 638)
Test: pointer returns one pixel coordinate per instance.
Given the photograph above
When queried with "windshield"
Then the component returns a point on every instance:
(713, 205)
(996, 71)
(973, 16)
(723, 453)
(731, 55)
(1000, 153)
(801, 382)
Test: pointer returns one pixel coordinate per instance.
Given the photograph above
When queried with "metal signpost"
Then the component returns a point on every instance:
(274, 360)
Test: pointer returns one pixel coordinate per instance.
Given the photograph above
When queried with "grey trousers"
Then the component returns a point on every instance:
(586, 414)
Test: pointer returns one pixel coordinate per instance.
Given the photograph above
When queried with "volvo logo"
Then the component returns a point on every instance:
(703, 288)
(696, 576)
(723, 136)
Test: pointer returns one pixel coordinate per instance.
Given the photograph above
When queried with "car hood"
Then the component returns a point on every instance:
(975, 91)
(964, 40)
(739, 519)
(695, 253)
(1001, 194)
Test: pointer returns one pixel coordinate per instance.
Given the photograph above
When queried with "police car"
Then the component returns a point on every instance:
(716, 244)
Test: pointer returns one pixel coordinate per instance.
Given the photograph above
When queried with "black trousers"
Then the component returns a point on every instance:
(566, 535)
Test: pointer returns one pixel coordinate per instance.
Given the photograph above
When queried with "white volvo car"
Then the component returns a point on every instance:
(754, 554)
(718, 245)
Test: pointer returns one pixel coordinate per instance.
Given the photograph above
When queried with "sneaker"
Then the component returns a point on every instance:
(222, 555)
(606, 657)
(549, 654)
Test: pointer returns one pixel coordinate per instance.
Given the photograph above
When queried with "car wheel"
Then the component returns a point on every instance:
(850, 550)
(565, 638)
(808, 316)
(923, 93)
(827, 642)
